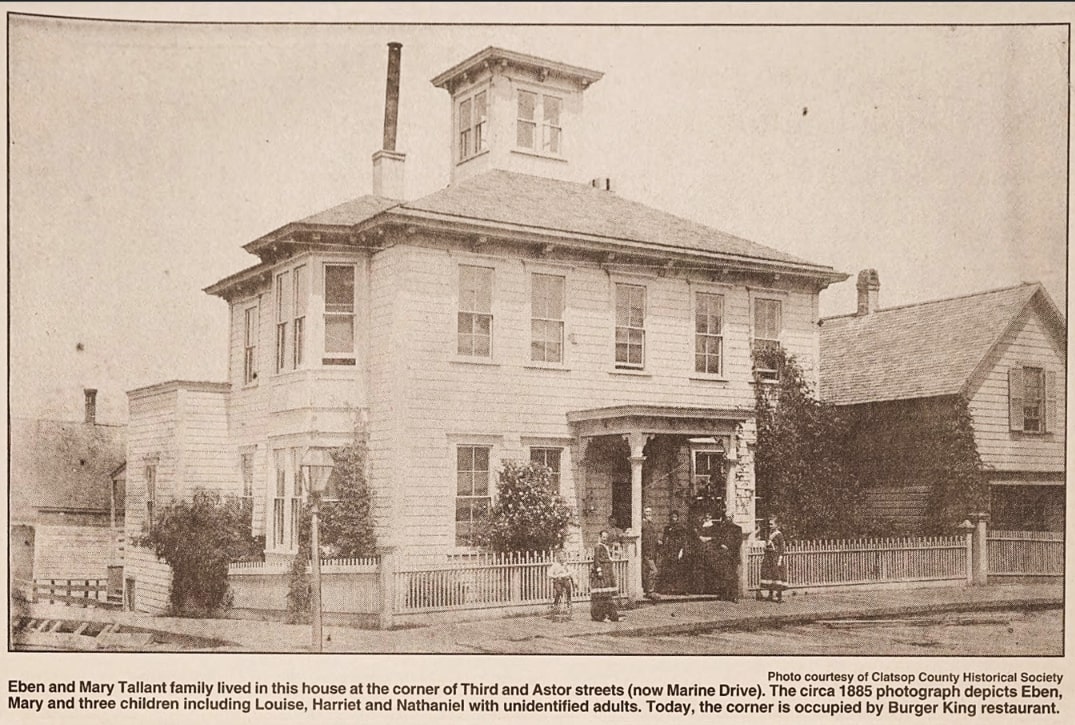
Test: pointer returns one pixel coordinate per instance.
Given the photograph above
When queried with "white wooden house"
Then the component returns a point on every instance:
(1004, 350)
(514, 314)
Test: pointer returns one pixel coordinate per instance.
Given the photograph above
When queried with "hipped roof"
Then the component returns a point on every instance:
(509, 203)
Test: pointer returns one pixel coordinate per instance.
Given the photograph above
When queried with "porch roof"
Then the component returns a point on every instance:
(687, 420)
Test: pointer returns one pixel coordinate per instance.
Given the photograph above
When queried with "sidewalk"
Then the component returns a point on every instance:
(517, 634)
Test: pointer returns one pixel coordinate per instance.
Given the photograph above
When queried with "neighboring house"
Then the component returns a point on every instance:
(1004, 351)
(514, 314)
(66, 497)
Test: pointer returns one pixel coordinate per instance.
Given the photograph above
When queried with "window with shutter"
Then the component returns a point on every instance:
(1031, 399)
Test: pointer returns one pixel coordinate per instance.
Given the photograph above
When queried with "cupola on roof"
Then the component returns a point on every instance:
(515, 112)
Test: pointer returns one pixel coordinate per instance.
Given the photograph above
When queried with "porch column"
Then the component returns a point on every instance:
(637, 442)
(731, 508)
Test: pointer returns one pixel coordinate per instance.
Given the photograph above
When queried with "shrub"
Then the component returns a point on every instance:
(529, 515)
(198, 539)
(800, 461)
(345, 524)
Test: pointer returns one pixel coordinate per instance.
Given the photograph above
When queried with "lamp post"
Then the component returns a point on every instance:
(316, 469)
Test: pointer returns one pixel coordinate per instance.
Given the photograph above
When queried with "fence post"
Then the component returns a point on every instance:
(387, 570)
(634, 566)
(744, 564)
(980, 549)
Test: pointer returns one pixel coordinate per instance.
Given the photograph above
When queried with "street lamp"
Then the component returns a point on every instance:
(316, 469)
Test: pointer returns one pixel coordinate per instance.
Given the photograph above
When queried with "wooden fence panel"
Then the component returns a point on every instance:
(867, 561)
(1025, 553)
(72, 592)
(439, 583)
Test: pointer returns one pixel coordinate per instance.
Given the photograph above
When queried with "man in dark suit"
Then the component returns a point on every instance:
(650, 544)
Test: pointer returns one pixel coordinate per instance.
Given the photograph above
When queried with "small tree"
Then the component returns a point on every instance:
(345, 523)
(799, 462)
(198, 539)
(529, 515)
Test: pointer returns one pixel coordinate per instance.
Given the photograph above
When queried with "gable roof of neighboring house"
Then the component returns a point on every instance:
(923, 350)
(540, 209)
(62, 465)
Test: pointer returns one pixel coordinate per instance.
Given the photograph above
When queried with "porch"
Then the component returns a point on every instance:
(692, 461)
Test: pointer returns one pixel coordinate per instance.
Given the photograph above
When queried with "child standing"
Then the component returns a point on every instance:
(562, 584)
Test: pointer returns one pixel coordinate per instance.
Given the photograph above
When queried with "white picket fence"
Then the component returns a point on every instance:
(435, 583)
(868, 561)
(448, 582)
(1025, 553)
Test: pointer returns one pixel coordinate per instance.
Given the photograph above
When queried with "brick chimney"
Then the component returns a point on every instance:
(91, 405)
(869, 287)
(388, 163)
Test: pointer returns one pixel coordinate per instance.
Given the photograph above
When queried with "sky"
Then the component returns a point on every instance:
(143, 156)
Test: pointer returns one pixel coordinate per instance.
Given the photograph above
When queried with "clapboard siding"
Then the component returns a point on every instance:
(72, 552)
(388, 373)
(1028, 343)
(152, 580)
(440, 399)
(210, 461)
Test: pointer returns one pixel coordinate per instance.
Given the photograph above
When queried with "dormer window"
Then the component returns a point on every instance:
(538, 126)
(473, 125)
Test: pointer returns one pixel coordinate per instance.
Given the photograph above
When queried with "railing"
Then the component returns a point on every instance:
(1025, 553)
(867, 561)
(76, 592)
(439, 583)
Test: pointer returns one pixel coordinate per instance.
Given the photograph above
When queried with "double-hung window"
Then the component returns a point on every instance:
(547, 318)
(630, 325)
(298, 324)
(708, 333)
(550, 458)
(766, 348)
(339, 314)
(1032, 399)
(551, 131)
(296, 497)
(250, 345)
(151, 494)
(279, 536)
(537, 125)
(246, 475)
(472, 497)
(283, 295)
(473, 120)
(475, 316)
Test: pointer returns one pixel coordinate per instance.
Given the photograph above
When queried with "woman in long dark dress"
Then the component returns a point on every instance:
(673, 556)
(603, 589)
(774, 566)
